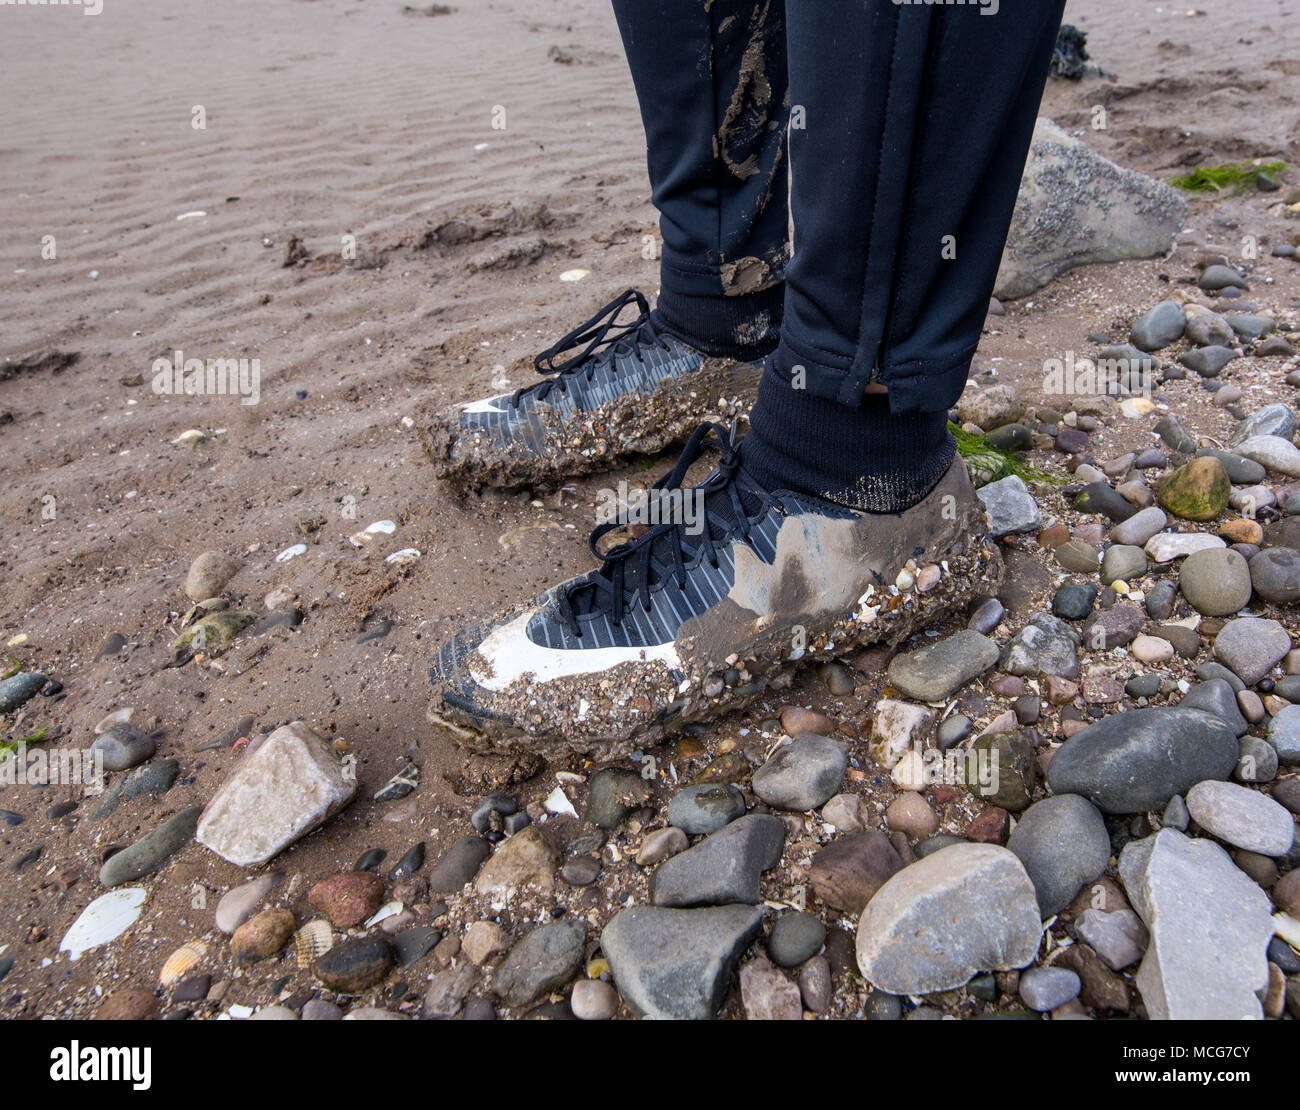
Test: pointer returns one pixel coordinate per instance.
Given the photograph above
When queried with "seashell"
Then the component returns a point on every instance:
(574, 275)
(118, 716)
(182, 961)
(104, 920)
(290, 552)
(380, 527)
(191, 435)
(557, 802)
(312, 940)
(195, 215)
(401, 558)
(389, 909)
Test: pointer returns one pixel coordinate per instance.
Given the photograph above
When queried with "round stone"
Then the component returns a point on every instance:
(1046, 988)
(699, 810)
(1275, 574)
(1216, 582)
(795, 937)
(593, 1000)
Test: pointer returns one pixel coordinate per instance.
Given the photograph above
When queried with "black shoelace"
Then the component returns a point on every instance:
(629, 571)
(602, 330)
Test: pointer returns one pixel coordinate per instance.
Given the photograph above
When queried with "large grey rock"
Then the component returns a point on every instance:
(724, 868)
(1135, 762)
(676, 964)
(1063, 844)
(1077, 208)
(802, 774)
(937, 671)
(1242, 817)
(963, 909)
(1209, 923)
(1010, 506)
(1251, 646)
(291, 785)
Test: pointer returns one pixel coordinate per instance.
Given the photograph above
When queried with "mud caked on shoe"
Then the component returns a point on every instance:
(630, 389)
(689, 622)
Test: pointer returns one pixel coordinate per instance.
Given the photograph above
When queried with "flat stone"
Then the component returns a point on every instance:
(698, 810)
(1242, 817)
(1251, 646)
(1134, 762)
(725, 868)
(848, 872)
(459, 865)
(289, 786)
(150, 852)
(963, 909)
(1044, 646)
(1122, 563)
(1273, 453)
(1063, 844)
(1010, 507)
(804, 773)
(525, 861)
(1046, 988)
(1118, 937)
(937, 671)
(1140, 527)
(1209, 923)
(768, 995)
(1168, 546)
(541, 962)
(677, 964)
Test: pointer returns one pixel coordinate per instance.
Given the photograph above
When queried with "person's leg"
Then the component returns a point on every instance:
(911, 126)
(711, 84)
(711, 81)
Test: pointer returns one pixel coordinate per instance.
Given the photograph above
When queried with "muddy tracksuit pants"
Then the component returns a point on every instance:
(908, 126)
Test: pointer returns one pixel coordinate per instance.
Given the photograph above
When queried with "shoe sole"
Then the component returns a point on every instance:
(637, 424)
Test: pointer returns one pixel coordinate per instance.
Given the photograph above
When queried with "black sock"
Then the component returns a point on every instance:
(866, 457)
(745, 327)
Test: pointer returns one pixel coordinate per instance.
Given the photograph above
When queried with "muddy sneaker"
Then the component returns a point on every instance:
(630, 389)
(688, 622)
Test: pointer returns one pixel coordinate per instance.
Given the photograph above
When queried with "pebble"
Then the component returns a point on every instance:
(152, 779)
(123, 746)
(1251, 646)
(1140, 527)
(911, 815)
(525, 861)
(128, 1005)
(409, 864)
(447, 994)
(400, 785)
(796, 721)
(1218, 697)
(660, 844)
(726, 867)
(1063, 844)
(1257, 760)
(1115, 627)
(767, 995)
(580, 870)
(18, 689)
(837, 679)
(846, 813)
(1241, 471)
(208, 575)
(354, 964)
(815, 984)
(460, 865)
(1197, 490)
(262, 936)
(1216, 582)
(1219, 277)
(1208, 362)
(1275, 575)
(483, 940)
(1149, 649)
(677, 964)
(1273, 453)
(1242, 817)
(1159, 327)
(1118, 937)
(593, 1000)
(347, 899)
(1077, 556)
(795, 937)
(411, 945)
(238, 905)
(150, 852)
(1177, 885)
(897, 726)
(1010, 506)
(1168, 546)
(963, 909)
(1122, 563)
(704, 809)
(1175, 436)
(613, 794)
(1098, 497)
(543, 961)
(1046, 988)
(848, 871)
(937, 671)
(1044, 646)
(987, 616)
(1134, 762)
(807, 771)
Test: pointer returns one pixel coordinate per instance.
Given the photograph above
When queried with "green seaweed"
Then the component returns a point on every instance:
(1235, 175)
(990, 464)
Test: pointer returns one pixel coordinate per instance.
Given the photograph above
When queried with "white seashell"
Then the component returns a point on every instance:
(190, 434)
(380, 527)
(384, 912)
(290, 552)
(104, 920)
(557, 802)
(191, 215)
(117, 717)
(313, 940)
(574, 275)
(240, 1013)
(401, 558)
(180, 962)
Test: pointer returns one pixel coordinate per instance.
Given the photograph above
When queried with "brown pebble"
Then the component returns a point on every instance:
(262, 935)
(1052, 538)
(796, 721)
(347, 899)
(1286, 893)
(911, 815)
(128, 1005)
(990, 827)
(1242, 531)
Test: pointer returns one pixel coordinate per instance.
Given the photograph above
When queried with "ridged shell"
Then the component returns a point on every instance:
(313, 940)
(182, 961)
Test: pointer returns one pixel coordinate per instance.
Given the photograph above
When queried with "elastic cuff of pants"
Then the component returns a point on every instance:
(725, 327)
(865, 457)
